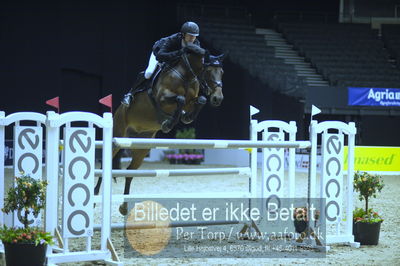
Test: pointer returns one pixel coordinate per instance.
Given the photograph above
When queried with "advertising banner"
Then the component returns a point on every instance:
(376, 159)
(373, 96)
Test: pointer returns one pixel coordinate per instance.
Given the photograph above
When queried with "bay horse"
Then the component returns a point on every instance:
(178, 94)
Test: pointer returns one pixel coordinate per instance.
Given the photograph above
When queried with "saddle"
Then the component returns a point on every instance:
(143, 84)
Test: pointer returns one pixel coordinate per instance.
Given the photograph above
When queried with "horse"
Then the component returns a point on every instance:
(178, 94)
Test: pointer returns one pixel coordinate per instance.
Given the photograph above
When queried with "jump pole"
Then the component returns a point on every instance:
(123, 226)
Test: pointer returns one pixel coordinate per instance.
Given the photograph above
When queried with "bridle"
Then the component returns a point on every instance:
(205, 87)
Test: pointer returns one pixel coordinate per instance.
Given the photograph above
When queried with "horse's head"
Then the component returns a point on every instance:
(212, 78)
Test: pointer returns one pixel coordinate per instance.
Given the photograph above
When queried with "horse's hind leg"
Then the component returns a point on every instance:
(137, 160)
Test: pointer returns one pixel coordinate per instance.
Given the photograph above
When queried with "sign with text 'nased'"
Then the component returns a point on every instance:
(375, 158)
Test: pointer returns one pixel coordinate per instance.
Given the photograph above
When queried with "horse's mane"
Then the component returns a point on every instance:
(191, 48)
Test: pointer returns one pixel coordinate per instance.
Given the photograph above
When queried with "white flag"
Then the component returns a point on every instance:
(253, 111)
(315, 110)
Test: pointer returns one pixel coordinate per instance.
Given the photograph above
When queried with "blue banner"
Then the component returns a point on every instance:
(374, 96)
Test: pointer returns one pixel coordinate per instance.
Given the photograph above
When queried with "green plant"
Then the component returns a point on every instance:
(25, 235)
(186, 133)
(27, 196)
(360, 215)
(368, 185)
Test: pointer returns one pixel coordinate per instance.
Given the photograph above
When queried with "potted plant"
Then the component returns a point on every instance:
(25, 245)
(169, 155)
(367, 222)
(186, 156)
(195, 158)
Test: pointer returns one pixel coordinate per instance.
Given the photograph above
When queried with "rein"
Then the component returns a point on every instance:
(187, 63)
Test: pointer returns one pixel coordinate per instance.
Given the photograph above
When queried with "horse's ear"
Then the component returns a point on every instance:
(221, 57)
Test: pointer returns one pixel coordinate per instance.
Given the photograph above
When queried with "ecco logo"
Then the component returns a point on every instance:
(274, 164)
(77, 194)
(333, 169)
(28, 155)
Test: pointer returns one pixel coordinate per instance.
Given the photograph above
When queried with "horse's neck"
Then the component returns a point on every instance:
(195, 65)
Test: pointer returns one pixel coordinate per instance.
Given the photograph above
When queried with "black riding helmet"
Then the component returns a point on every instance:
(190, 28)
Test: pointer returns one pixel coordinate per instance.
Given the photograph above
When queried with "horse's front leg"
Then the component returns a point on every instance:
(169, 123)
(189, 117)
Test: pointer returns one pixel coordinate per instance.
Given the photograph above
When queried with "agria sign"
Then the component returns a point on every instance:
(373, 96)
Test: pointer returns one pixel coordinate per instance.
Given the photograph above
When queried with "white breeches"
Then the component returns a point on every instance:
(151, 67)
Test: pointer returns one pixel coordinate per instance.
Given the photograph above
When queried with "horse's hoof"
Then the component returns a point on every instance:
(123, 209)
(202, 100)
(165, 127)
(186, 120)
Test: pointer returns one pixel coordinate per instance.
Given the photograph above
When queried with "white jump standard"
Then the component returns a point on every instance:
(77, 191)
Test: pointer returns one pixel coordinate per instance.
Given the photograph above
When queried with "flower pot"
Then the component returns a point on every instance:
(192, 161)
(23, 254)
(196, 161)
(366, 233)
(300, 226)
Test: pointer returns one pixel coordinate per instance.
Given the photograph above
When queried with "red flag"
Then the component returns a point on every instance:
(107, 101)
(55, 102)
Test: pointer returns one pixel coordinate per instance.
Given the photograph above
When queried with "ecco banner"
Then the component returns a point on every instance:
(373, 96)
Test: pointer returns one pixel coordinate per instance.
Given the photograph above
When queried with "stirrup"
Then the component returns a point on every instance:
(126, 100)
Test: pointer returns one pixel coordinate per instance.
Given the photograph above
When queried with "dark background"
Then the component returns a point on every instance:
(85, 50)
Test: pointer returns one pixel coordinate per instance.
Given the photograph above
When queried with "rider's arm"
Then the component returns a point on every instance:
(170, 50)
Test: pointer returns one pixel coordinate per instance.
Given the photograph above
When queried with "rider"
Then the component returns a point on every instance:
(167, 50)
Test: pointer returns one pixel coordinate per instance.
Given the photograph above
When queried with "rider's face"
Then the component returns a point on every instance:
(189, 38)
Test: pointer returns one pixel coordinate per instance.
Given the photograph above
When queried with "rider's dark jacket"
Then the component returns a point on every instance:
(170, 48)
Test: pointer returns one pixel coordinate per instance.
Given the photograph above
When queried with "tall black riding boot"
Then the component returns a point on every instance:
(126, 100)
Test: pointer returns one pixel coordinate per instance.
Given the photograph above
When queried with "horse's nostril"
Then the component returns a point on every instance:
(216, 101)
